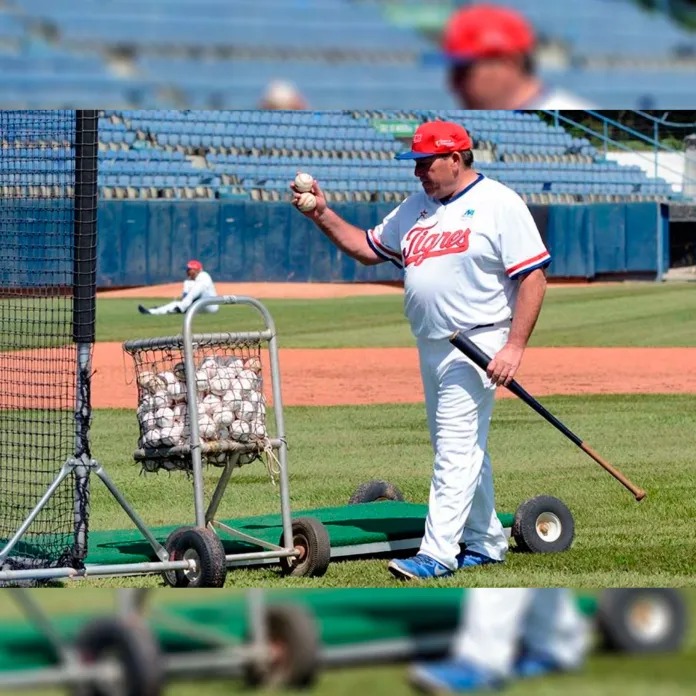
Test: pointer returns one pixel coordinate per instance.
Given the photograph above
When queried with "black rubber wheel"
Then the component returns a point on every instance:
(294, 643)
(312, 540)
(170, 575)
(373, 491)
(543, 525)
(133, 646)
(647, 620)
(203, 546)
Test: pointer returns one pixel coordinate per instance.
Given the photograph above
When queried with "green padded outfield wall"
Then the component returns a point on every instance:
(149, 242)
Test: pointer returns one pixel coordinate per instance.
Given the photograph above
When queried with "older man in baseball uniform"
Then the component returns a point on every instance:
(472, 258)
(198, 284)
(490, 53)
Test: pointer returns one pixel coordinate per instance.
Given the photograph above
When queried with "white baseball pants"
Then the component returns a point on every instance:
(496, 623)
(459, 401)
(181, 305)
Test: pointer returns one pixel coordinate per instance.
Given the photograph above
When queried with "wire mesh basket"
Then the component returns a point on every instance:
(230, 405)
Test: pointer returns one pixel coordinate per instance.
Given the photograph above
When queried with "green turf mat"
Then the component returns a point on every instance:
(348, 616)
(23, 646)
(347, 525)
(345, 616)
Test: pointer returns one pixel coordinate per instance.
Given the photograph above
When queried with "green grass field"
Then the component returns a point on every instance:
(618, 541)
(629, 314)
(332, 450)
(604, 674)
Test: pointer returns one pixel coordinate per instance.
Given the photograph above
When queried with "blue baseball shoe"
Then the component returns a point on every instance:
(452, 677)
(418, 567)
(470, 559)
(529, 665)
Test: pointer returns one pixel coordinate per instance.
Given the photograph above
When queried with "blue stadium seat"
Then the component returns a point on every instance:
(154, 162)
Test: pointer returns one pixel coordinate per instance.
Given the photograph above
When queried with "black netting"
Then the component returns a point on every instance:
(47, 297)
(229, 396)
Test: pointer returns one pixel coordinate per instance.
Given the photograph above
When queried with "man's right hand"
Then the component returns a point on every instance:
(321, 207)
(348, 238)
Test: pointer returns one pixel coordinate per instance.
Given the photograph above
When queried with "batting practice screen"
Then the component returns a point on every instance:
(48, 212)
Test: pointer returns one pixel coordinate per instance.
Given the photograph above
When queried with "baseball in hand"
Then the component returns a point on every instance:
(306, 202)
(304, 182)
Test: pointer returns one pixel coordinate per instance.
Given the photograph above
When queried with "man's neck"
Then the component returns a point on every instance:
(467, 178)
(527, 92)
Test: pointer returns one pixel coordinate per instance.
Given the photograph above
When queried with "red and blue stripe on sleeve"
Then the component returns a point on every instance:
(382, 251)
(539, 261)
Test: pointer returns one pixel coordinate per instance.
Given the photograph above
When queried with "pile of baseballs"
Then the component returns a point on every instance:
(231, 404)
(307, 200)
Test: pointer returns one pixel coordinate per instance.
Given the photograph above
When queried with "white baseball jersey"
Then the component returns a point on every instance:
(461, 259)
(202, 286)
(188, 284)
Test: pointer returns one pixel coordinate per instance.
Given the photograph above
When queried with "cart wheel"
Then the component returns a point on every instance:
(170, 575)
(294, 648)
(311, 539)
(205, 548)
(543, 525)
(373, 491)
(642, 620)
(133, 646)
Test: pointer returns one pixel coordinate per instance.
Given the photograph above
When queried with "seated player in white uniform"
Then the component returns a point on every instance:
(197, 284)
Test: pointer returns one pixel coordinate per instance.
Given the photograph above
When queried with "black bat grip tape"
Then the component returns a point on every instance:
(480, 359)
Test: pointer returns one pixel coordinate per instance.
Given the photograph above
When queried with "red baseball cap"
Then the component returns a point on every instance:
(437, 138)
(194, 265)
(481, 31)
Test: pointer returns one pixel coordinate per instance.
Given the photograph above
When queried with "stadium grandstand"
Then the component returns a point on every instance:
(363, 54)
(184, 180)
(255, 154)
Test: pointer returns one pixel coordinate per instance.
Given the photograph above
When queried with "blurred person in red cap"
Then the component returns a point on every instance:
(198, 284)
(490, 53)
(507, 634)
(473, 261)
(281, 95)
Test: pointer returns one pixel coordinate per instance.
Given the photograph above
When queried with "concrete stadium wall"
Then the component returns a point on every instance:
(149, 242)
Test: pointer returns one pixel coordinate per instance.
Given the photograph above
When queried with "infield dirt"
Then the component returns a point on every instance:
(325, 377)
